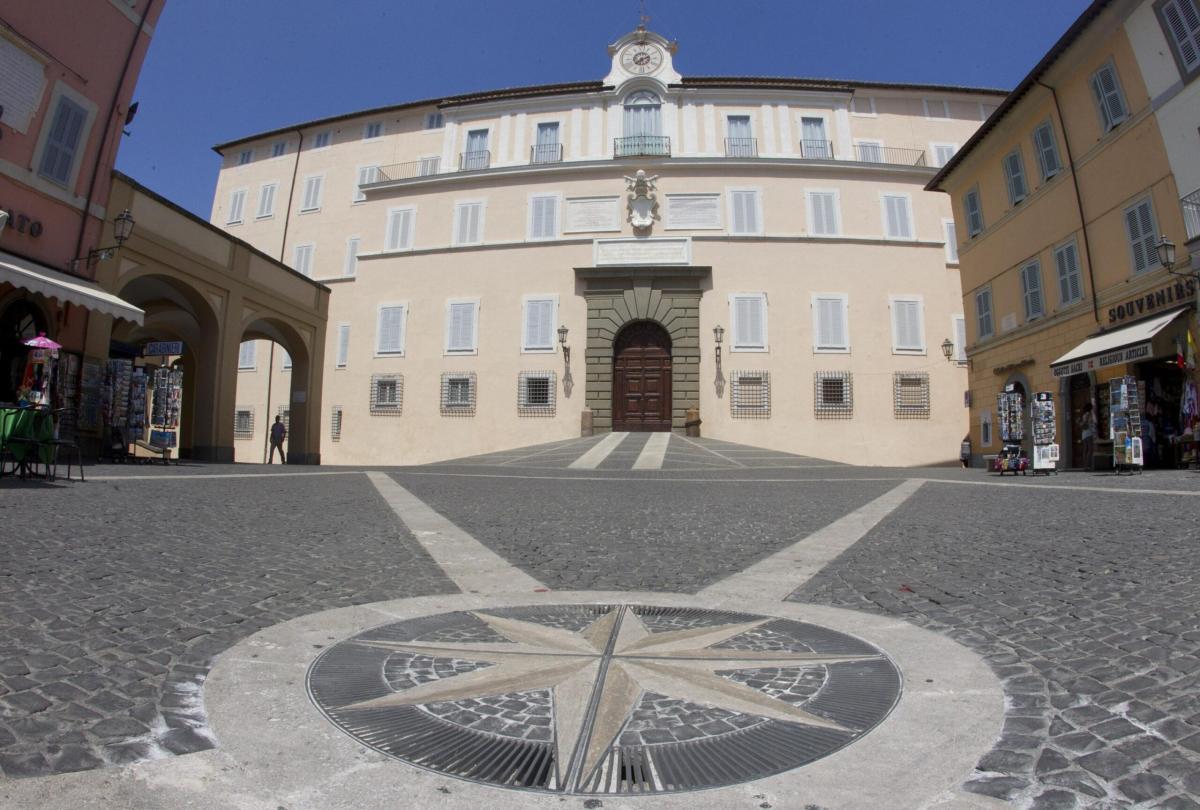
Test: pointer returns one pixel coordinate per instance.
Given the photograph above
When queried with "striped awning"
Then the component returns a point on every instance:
(37, 278)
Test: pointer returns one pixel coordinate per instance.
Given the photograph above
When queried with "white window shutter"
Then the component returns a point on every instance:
(237, 202)
(246, 354)
(303, 260)
(351, 266)
(951, 241)
(399, 229)
(461, 337)
(266, 200)
(749, 321)
(467, 225)
(831, 323)
(543, 217)
(824, 213)
(906, 326)
(960, 339)
(312, 194)
(745, 211)
(899, 219)
(1183, 25)
(391, 330)
(343, 345)
(539, 323)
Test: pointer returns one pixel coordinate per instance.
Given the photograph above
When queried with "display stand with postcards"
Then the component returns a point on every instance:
(1045, 449)
(1012, 458)
(1125, 424)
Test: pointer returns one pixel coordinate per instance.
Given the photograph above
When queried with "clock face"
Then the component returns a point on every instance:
(641, 59)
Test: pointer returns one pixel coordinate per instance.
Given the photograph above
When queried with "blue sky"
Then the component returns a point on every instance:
(222, 69)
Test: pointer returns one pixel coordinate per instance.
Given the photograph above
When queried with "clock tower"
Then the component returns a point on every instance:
(642, 54)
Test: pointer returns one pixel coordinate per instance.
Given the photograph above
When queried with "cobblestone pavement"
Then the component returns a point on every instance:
(116, 595)
(1085, 605)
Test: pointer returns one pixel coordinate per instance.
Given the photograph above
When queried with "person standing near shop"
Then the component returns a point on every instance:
(1087, 422)
(278, 434)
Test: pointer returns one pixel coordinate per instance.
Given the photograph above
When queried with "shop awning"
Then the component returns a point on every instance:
(1129, 344)
(42, 280)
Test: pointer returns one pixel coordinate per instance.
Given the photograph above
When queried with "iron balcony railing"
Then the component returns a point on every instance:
(474, 161)
(545, 153)
(1191, 214)
(816, 150)
(873, 153)
(741, 147)
(642, 145)
(404, 171)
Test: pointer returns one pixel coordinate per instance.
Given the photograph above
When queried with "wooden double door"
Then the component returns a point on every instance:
(642, 378)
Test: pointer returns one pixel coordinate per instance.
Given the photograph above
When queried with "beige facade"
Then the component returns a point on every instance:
(458, 234)
(1067, 252)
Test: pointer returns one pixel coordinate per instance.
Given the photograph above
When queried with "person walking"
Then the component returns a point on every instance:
(278, 434)
(1087, 423)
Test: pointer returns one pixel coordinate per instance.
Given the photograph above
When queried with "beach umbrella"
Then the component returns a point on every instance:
(42, 342)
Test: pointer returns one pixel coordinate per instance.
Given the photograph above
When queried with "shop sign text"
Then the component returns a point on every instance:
(22, 223)
(1117, 357)
(1176, 293)
(163, 348)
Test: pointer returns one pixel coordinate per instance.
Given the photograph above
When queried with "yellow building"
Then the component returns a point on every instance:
(1062, 196)
(458, 235)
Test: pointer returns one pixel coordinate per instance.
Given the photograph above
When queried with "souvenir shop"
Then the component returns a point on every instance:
(1141, 383)
(139, 399)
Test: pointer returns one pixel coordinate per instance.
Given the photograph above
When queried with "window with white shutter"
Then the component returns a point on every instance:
(1181, 23)
(824, 218)
(429, 165)
(389, 333)
(366, 174)
(246, 355)
(937, 108)
(351, 265)
(245, 156)
(863, 105)
(278, 149)
(343, 345)
(744, 212)
(694, 211)
(748, 314)
(543, 216)
(831, 331)
(1070, 282)
(237, 205)
(959, 325)
(1014, 176)
(897, 216)
(1109, 99)
(869, 151)
(908, 325)
(1143, 235)
(266, 200)
(468, 223)
(1046, 147)
(322, 139)
(537, 329)
(951, 232)
(400, 228)
(373, 130)
(303, 261)
(814, 141)
(462, 320)
(974, 213)
(434, 120)
(311, 199)
(942, 152)
(984, 327)
(62, 142)
(285, 363)
(1031, 289)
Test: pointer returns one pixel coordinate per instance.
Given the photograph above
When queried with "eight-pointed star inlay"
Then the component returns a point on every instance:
(599, 674)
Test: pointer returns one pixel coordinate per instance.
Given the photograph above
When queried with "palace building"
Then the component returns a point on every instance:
(633, 253)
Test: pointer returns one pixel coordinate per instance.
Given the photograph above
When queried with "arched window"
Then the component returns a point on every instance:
(643, 114)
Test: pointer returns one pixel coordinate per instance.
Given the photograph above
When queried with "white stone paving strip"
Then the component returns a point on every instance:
(707, 449)
(600, 451)
(474, 567)
(179, 476)
(653, 453)
(785, 571)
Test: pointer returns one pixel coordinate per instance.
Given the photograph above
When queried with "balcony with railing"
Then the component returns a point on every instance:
(816, 150)
(1190, 203)
(642, 146)
(741, 147)
(874, 153)
(474, 161)
(546, 153)
(405, 171)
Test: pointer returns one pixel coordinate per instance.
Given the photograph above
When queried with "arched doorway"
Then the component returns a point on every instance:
(19, 321)
(642, 378)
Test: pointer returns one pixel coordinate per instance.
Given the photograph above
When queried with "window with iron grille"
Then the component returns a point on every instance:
(458, 394)
(833, 395)
(910, 394)
(387, 394)
(535, 393)
(243, 423)
(751, 394)
(285, 416)
(335, 423)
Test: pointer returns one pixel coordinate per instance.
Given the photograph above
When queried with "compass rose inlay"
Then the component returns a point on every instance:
(598, 699)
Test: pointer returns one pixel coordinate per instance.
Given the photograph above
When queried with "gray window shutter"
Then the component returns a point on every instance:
(1047, 149)
(1108, 95)
(1183, 25)
(1031, 285)
(1015, 173)
(58, 154)
(983, 312)
(1067, 260)
(1140, 222)
(974, 213)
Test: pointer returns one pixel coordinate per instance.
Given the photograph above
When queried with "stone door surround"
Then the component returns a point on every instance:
(667, 295)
